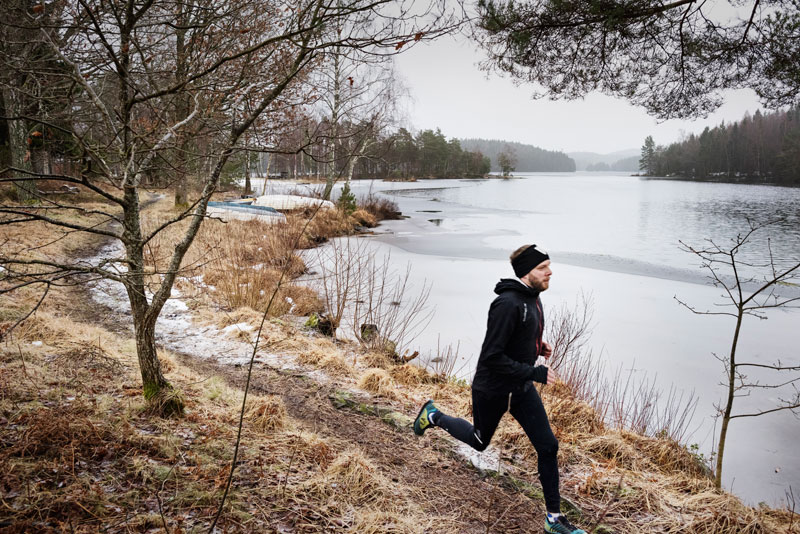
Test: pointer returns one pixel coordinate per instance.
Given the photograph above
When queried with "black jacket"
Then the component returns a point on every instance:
(513, 340)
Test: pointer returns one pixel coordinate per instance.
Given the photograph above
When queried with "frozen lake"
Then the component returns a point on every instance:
(616, 239)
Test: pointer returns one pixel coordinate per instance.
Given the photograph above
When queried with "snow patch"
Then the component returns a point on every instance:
(238, 327)
(488, 460)
(175, 328)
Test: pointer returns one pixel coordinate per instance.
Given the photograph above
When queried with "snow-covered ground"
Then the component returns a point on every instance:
(176, 329)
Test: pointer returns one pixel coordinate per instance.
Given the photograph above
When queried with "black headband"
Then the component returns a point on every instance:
(527, 260)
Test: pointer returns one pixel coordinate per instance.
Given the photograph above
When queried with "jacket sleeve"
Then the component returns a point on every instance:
(503, 316)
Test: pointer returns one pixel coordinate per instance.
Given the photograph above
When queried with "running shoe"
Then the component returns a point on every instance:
(561, 526)
(422, 422)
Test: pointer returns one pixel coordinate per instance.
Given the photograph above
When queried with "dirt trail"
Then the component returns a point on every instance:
(444, 483)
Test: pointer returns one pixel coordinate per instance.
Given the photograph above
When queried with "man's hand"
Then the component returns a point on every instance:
(547, 349)
(552, 377)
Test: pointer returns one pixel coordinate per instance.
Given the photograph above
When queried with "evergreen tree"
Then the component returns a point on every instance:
(758, 148)
(647, 161)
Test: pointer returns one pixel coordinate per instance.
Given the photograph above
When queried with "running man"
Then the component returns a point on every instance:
(505, 374)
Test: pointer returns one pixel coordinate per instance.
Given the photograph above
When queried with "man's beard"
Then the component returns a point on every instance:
(540, 286)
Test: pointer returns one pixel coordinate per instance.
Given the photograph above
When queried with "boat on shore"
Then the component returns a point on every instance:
(242, 211)
(291, 202)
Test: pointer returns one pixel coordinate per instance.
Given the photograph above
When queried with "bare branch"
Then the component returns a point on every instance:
(764, 412)
(772, 367)
(56, 222)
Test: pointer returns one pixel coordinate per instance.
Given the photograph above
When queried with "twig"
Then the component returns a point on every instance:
(25, 369)
(489, 513)
(610, 504)
(289, 468)
(161, 512)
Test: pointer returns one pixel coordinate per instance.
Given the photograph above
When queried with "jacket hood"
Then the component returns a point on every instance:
(511, 284)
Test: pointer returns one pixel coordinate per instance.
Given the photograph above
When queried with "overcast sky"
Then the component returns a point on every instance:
(450, 92)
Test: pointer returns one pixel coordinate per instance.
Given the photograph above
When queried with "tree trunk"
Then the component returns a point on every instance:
(40, 160)
(726, 414)
(181, 111)
(152, 378)
(248, 188)
(20, 157)
(157, 390)
(5, 137)
(266, 175)
(337, 102)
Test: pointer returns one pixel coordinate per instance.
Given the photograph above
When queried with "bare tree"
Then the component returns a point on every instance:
(343, 264)
(125, 81)
(361, 92)
(748, 295)
(386, 302)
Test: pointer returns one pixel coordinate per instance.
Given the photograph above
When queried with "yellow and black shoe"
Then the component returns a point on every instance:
(423, 420)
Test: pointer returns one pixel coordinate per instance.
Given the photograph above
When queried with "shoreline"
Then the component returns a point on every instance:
(303, 437)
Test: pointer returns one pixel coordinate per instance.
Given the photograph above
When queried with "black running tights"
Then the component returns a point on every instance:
(526, 407)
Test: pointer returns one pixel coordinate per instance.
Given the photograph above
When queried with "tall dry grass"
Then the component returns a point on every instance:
(626, 399)
(381, 207)
(240, 263)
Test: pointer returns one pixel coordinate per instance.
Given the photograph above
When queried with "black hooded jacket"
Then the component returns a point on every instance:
(513, 340)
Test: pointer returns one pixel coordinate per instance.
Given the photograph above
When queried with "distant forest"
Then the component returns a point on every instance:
(528, 157)
(758, 148)
(630, 164)
(395, 155)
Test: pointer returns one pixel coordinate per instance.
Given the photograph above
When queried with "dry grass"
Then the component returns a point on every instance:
(336, 365)
(379, 359)
(409, 374)
(80, 448)
(267, 414)
(365, 218)
(614, 448)
(377, 381)
(241, 263)
(353, 492)
(323, 353)
(572, 417)
(352, 479)
(381, 522)
(711, 512)
(311, 448)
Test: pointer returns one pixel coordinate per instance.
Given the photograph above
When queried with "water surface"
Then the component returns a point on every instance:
(617, 239)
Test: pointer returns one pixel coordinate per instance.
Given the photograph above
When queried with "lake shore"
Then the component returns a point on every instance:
(327, 443)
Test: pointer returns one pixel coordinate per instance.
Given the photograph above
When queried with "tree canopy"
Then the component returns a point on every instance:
(672, 58)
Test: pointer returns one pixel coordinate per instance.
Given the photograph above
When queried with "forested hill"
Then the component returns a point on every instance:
(758, 148)
(621, 160)
(529, 158)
